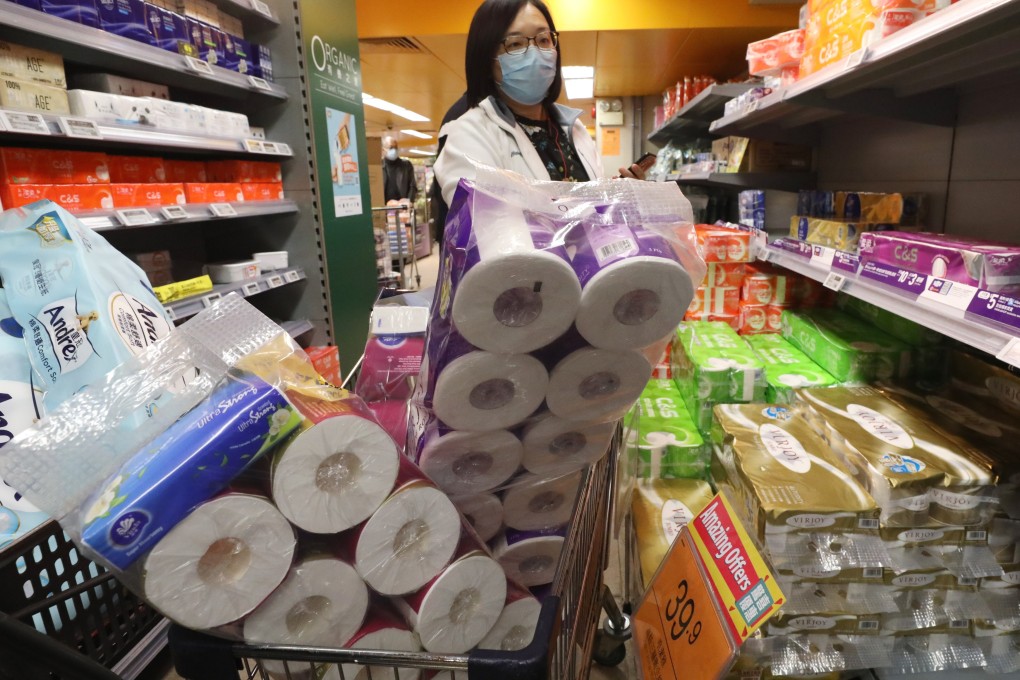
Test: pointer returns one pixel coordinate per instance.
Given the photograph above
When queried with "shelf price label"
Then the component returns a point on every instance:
(259, 83)
(251, 289)
(210, 299)
(198, 66)
(903, 281)
(1010, 353)
(270, 148)
(171, 313)
(134, 217)
(262, 8)
(822, 256)
(834, 281)
(283, 149)
(275, 281)
(24, 123)
(173, 212)
(222, 210)
(254, 146)
(82, 128)
(292, 276)
(996, 307)
(948, 295)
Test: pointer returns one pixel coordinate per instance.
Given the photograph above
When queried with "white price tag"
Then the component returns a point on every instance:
(79, 127)
(258, 83)
(253, 145)
(171, 313)
(173, 212)
(26, 123)
(292, 276)
(822, 256)
(948, 294)
(198, 66)
(275, 281)
(134, 217)
(283, 149)
(1010, 353)
(270, 148)
(222, 210)
(208, 300)
(102, 222)
(262, 8)
(251, 289)
(835, 281)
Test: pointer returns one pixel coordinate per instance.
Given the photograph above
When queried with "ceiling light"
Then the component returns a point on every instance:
(375, 102)
(415, 133)
(422, 152)
(578, 71)
(580, 88)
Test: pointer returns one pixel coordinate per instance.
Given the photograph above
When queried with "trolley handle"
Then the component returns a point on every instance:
(26, 646)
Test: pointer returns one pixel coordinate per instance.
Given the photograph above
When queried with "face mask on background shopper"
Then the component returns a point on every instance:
(527, 76)
(391, 154)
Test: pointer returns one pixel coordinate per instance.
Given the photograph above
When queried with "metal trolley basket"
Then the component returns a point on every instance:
(561, 649)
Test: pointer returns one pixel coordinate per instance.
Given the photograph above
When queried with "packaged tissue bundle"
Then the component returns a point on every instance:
(84, 306)
(713, 365)
(668, 443)
(661, 508)
(990, 265)
(786, 368)
(790, 478)
(849, 350)
(831, 233)
(915, 473)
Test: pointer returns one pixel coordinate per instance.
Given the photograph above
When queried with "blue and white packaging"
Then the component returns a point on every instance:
(84, 307)
(169, 29)
(80, 11)
(262, 62)
(185, 466)
(240, 58)
(32, 4)
(200, 34)
(125, 18)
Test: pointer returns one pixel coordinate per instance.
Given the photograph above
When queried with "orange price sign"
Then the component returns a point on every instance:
(678, 628)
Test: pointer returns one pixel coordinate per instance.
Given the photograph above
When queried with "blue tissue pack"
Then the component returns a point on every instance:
(80, 11)
(125, 18)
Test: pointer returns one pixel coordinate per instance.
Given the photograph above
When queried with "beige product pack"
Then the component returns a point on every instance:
(830, 623)
(18, 62)
(661, 507)
(793, 480)
(23, 95)
(905, 463)
(985, 382)
(820, 575)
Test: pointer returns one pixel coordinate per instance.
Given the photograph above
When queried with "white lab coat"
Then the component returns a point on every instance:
(488, 134)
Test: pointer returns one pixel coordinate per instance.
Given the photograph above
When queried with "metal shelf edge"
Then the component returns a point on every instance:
(197, 212)
(194, 304)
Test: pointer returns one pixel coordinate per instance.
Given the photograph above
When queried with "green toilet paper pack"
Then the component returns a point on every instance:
(851, 350)
(913, 334)
(786, 368)
(668, 444)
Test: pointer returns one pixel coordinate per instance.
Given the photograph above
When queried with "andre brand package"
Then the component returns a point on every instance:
(84, 306)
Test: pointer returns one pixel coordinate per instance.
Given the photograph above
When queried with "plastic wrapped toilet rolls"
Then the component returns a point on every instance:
(322, 602)
(457, 609)
(533, 503)
(484, 391)
(515, 628)
(597, 384)
(336, 471)
(518, 292)
(530, 557)
(471, 462)
(483, 512)
(408, 540)
(555, 446)
(383, 630)
(220, 563)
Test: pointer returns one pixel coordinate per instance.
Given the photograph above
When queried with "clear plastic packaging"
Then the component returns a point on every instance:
(933, 653)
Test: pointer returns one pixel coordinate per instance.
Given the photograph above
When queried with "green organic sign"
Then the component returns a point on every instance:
(333, 83)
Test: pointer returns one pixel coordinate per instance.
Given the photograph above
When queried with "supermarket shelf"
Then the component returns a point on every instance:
(194, 304)
(782, 181)
(963, 319)
(93, 47)
(694, 118)
(247, 9)
(108, 220)
(297, 328)
(910, 75)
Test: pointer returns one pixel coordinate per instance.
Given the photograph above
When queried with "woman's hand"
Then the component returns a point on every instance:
(635, 171)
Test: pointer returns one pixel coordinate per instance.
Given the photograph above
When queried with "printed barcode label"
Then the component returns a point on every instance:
(292, 276)
(868, 625)
(251, 288)
(873, 572)
(868, 523)
(977, 535)
(28, 123)
(963, 623)
(616, 248)
(80, 127)
(965, 581)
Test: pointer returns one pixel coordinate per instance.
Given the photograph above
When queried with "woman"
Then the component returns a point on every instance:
(513, 121)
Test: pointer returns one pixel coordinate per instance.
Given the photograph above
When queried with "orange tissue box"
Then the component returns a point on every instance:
(724, 275)
(774, 317)
(759, 288)
(186, 171)
(772, 55)
(716, 300)
(254, 172)
(719, 244)
(732, 319)
(147, 195)
(262, 192)
(214, 192)
(71, 197)
(136, 170)
(753, 319)
(44, 166)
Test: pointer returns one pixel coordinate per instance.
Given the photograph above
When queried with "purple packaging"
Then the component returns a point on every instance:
(80, 11)
(126, 18)
(31, 4)
(985, 264)
(200, 34)
(169, 29)
(237, 54)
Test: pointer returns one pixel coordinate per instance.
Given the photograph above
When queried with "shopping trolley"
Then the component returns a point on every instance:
(403, 220)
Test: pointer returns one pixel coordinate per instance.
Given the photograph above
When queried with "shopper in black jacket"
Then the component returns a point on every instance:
(398, 173)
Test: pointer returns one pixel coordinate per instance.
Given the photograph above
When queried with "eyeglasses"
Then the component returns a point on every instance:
(518, 44)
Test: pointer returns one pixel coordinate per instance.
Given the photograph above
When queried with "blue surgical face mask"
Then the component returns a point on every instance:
(391, 154)
(527, 76)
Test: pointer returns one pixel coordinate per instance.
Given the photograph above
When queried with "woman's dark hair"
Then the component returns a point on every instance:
(488, 28)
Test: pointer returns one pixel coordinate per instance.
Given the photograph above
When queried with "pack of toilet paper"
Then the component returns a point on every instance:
(664, 438)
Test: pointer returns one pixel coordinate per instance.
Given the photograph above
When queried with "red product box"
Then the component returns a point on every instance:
(774, 317)
(716, 300)
(732, 319)
(724, 275)
(214, 192)
(136, 169)
(186, 171)
(719, 244)
(759, 288)
(147, 195)
(254, 172)
(262, 192)
(753, 319)
(72, 197)
(326, 361)
(44, 166)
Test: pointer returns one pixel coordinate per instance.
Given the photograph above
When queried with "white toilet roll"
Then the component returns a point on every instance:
(383, 631)
(408, 540)
(321, 603)
(529, 557)
(597, 385)
(515, 627)
(471, 462)
(514, 297)
(483, 391)
(455, 611)
(220, 562)
(333, 475)
(555, 446)
(533, 503)
(483, 511)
